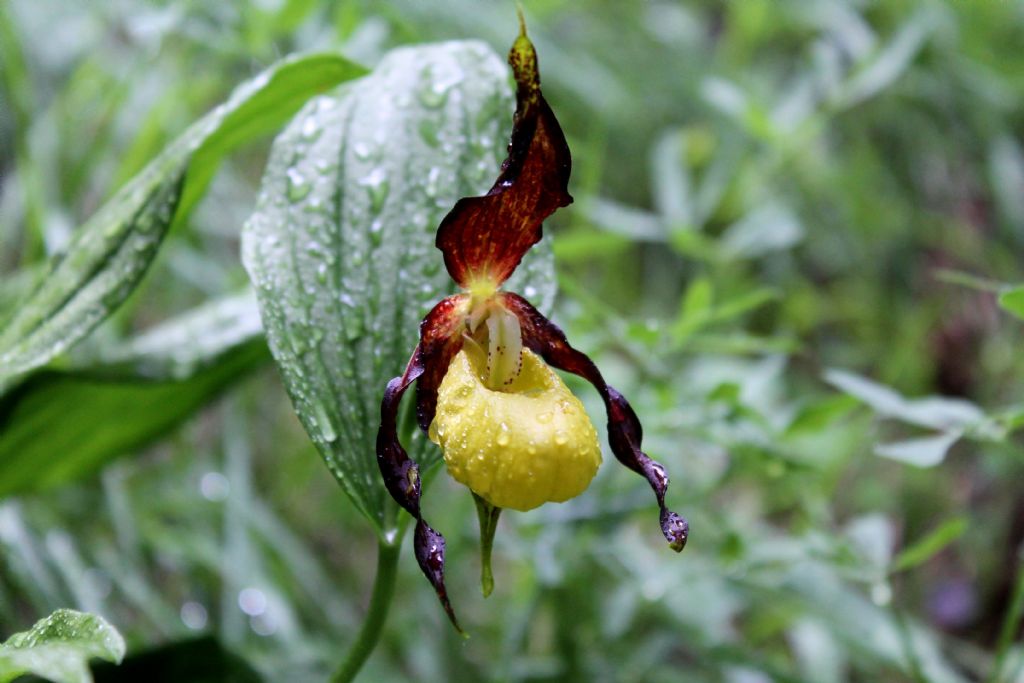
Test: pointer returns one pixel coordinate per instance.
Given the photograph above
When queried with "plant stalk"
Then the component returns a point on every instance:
(1011, 622)
(376, 613)
(488, 515)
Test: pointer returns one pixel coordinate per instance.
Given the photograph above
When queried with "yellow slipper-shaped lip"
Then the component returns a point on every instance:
(527, 444)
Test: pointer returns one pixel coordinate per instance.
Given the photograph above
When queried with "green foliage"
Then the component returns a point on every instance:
(110, 254)
(59, 647)
(101, 408)
(795, 246)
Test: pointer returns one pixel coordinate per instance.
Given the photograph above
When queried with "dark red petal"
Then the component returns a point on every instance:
(624, 431)
(439, 333)
(484, 238)
(440, 340)
(400, 473)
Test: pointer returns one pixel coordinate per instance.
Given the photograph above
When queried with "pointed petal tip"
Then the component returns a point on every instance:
(522, 57)
(676, 529)
(485, 237)
(429, 547)
(401, 478)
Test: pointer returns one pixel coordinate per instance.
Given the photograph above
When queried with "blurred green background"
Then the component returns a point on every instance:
(775, 201)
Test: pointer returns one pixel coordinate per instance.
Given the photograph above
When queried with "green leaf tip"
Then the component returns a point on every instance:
(59, 647)
(1012, 301)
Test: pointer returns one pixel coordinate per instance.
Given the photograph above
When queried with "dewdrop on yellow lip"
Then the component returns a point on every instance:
(527, 444)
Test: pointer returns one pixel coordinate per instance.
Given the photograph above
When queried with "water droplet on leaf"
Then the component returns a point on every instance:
(298, 187)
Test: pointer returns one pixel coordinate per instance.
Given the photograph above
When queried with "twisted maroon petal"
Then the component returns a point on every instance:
(484, 238)
(440, 339)
(624, 431)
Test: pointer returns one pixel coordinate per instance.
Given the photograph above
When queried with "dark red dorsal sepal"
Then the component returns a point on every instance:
(484, 238)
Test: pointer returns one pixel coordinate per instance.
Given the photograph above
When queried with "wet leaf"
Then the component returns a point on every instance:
(97, 410)
(59, 647)
(341, 246)
(111, 251)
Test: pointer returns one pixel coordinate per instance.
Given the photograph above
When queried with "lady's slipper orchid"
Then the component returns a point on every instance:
(486, 392)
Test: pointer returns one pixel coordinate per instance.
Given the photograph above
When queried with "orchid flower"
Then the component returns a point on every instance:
(486, 390)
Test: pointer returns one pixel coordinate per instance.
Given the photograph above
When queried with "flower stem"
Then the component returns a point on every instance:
(376, 613)
(1011, 622)
(488, 515)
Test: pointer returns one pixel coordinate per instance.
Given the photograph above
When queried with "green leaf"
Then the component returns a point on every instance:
(698, 310)
(932, 412)
(694, 311)
(1012, 300)
(744, 303)
(817, 415)
(767, 228)
(59, 647)
(341, 246)
(926, 451)
(95, 411)
(929, 546)
(14, 288)
(110, 253)
(889, 63)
